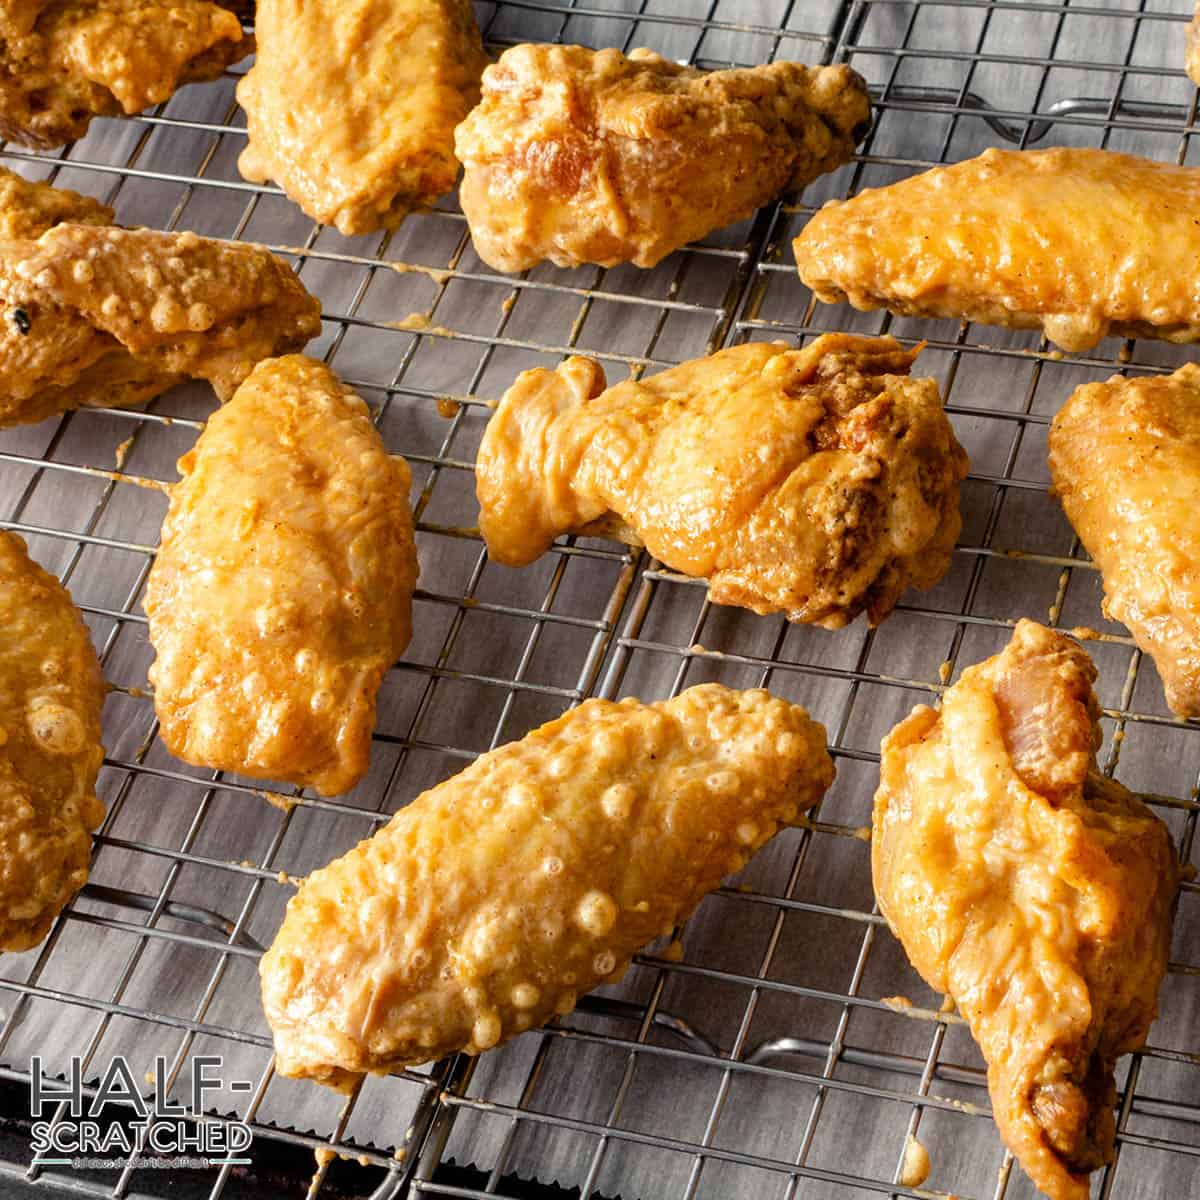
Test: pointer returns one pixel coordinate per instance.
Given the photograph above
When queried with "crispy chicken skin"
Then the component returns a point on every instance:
(282, 591)
(818, 482)
(102, 316)
(495, 899)
(351, 105)
(63, 62)
(51, 694)
(583, 156)
(1079, 243)
(1032, 890)
(1125, 460)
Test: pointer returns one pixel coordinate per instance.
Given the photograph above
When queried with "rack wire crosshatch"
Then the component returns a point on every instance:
(779, 1046)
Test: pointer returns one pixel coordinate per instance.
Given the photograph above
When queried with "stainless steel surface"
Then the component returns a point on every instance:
(767, 1060)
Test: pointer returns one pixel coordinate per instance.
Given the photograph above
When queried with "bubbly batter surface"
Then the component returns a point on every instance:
(495, 899)
(51, 694)
(282, 591)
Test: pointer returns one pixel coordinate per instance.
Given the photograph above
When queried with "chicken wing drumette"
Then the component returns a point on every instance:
(282, 591)
(1079, 243)
(494, 900)
(819, 482)
(1032, 890)
(1125, 459)
(51, 694)
(351, 104)
(102, 316)
(583, 156)
(63, 62)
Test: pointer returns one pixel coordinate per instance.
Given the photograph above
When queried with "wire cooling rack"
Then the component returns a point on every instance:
(779, 1046)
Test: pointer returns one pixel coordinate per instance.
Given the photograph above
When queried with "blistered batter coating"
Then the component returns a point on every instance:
(494, 900)
(112, 317)
(818, 482)
(1032, 890)
(1079, 243)
(51, 694)
(29, 208)
(1125, 459)
(282, 590)
(583, 156)
(63, 62)
(351, 104)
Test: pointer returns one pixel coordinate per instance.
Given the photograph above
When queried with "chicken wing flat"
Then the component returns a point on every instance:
(51, 693)
(351, 104)
(1125, 459)
(1032, 890)
(819, 482)
(1079, 243)
(583, 156)
(495, 899)
(63, 62)
(112, 317)
(282, 591)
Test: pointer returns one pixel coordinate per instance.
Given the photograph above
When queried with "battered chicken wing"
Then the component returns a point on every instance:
(819, 482)
(51, 693)
(112, 317)
(494, 900)
(1080, 243)
(1193, 48)
(28, 209)
(581, 156)
(1032, 890)
(282, 591)
(1125, 458)
(63, 62)
(351, 104)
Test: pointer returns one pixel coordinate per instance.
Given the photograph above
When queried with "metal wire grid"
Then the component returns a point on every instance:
(765, 1062)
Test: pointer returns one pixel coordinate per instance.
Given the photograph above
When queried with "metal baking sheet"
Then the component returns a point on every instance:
(765, 1057)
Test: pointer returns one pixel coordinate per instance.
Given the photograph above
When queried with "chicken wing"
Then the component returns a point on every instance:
(351, 105)
(112, 317)
(1193, 48)
(51, 693)
(494, 900)
(28, 208)
(283, 588)
(1079, 243)
(1032, 890)
(1125, 459)
(582, 156)
(819, 482)
(63, 62)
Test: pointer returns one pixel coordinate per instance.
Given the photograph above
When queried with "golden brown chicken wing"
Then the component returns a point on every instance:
(282, 591)
(1125, 458)
(494, 900)
(28, 208)
(1032, 890)
(51, 693)
(819, 482)
(63, 62)
(351, 105)
(112, 317)
(1193, 48)
(1079, 243)
(582, 156)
